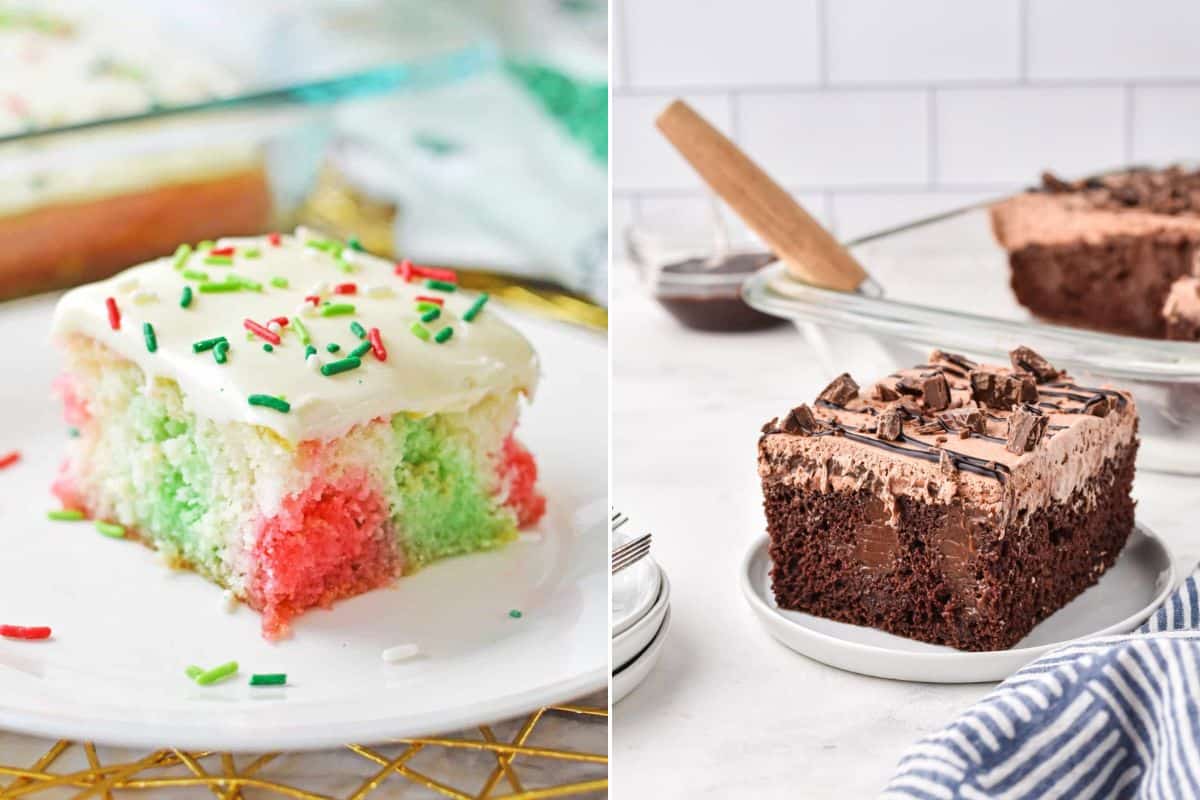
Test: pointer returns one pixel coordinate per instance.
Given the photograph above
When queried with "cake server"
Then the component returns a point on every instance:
(810, 253)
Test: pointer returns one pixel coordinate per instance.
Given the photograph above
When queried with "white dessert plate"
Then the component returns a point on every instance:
(1124, 598)
(629, 677)
(627, 645)
(125, 627)
(634, 590)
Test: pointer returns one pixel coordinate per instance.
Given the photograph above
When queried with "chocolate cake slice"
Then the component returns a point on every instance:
(954, 503)
(1104, 253)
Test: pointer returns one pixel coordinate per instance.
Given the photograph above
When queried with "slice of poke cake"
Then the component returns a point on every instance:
(293, 418)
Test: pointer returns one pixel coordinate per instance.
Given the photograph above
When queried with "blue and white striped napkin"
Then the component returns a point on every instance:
(1113, 717)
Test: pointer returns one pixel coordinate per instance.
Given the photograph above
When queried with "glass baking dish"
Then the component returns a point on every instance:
(944, 282)
(85, 194)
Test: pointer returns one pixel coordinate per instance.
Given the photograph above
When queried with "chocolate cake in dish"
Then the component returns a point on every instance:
(1104, 253)
(113, 202)
(293, 418)
(955, 503)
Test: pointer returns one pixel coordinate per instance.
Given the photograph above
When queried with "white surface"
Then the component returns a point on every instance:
(125, 627)
(631, 676)
(730, 712)
(627, 645)
(634, 590)
(1126, 595)
(1121, 81)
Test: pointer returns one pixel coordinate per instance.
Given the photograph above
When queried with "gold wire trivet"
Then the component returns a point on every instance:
(228, 776)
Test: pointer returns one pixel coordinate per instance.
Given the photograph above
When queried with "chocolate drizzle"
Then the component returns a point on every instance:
(926, 452)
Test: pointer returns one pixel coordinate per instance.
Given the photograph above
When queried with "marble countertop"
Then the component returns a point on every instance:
(729, 711)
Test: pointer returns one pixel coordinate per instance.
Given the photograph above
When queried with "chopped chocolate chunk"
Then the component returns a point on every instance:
(909, 408)
(965, 419)
(890, 425)
(935, 392)
(941, 439)
(842, 390)
(1098, 407)
(910, 385)
(771, 426)
(986, 389)
(800, 420)
(1026, 427)
(1054, 184)
(960, 361)
(930, 427)
(947, 463)
(963, 433)
(884, 393)
(1022, 389)
(1026, 360)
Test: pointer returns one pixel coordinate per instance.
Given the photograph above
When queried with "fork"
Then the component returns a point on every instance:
(630, 553)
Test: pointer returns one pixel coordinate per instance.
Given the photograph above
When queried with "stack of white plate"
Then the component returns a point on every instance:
(641, 615)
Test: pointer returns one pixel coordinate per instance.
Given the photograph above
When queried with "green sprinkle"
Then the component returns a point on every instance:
(318, 244)
(420, 331)
(267, 347)
(252, 252)
(337, 309)
(195, 275)
(441, 286)
(268, 679)
(355, 244)
(473, 312)
(73, 432)
(443, 334)
(333, 347)
(148, 335)
(207, 344)
(207, 244)
(279, 283)
(182, 253)
(431, 314)
(423, 306)
(343, 365)
(111, 529)
(515, 614)
(193, 671)
(358, 330)
(361, 350)
(209, 288)
(65, 515)
(219, 261)
(270, 401)
(243, 282)
(217, 673)
(185, 299)
(302, 331)
(221, 352)
(345, 266)
(309, 350)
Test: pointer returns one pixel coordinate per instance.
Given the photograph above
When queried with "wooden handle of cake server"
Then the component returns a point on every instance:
(810, 253)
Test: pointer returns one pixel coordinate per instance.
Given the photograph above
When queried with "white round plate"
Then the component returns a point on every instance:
(629, 677)
(634, 590)
(1124, 598)
(125, 627)
(627, 645)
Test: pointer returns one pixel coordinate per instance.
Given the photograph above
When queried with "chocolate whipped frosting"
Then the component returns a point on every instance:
(961, 449)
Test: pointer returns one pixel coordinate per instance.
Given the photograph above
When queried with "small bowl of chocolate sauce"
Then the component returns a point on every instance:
(699, 282)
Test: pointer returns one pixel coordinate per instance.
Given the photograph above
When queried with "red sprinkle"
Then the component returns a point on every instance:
(346, 288)
(312, 298)
(260, 331)
(223, 251)
(9, 459)
(273, 238)
(437, 301)
(377, 344)
(114, 314)
(20, 632)
(281, 321)
(405, 270)
(448, 275)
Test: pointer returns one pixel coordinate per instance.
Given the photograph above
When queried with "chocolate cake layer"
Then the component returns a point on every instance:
(1103, 253)
(952, 503)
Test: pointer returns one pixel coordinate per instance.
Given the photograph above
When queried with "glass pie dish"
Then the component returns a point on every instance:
(944, 282)
(119, 141)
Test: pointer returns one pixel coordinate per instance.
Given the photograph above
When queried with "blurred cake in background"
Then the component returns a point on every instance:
(81, 206)
(1113, 253)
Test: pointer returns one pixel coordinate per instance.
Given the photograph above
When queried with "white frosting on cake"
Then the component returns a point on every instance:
(481, 358)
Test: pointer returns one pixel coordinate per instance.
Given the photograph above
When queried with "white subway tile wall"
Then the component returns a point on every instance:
(874, 112)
